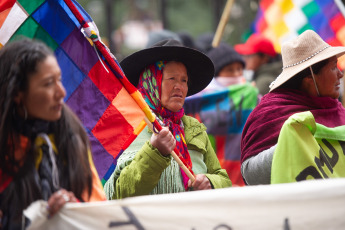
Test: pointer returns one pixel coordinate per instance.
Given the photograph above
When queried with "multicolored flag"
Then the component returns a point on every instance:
(308, 150)
(224, 111)
(282, 20)
(110, 116)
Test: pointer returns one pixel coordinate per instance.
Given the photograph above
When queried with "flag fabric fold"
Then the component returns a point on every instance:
(280, 21)
(308, 150)
(110, 107)
(136, 95)
(224, 111)
(94, 92)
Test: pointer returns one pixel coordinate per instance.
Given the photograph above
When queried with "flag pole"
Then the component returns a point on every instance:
(174, 155)
(223, 20)
(135, 94)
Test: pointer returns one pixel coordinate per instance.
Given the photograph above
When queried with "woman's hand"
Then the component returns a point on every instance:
(58, 200)
(164, 141)
(201, 182)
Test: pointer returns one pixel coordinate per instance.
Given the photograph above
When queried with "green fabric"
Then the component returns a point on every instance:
(308, 150)
(30, 6)
(30, 28)
(238, 92)
(142, 170)
(199, 165)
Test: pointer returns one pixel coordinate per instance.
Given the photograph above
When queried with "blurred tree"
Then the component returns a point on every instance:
(194, 16)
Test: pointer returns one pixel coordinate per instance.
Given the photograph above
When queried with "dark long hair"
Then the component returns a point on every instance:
(18, 60)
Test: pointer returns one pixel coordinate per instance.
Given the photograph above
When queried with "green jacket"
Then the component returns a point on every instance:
(142, 170)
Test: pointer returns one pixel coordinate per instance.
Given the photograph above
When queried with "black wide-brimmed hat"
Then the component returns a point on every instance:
(199, 67)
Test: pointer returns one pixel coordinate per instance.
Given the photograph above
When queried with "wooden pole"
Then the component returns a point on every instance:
(223, 20)
(173, 154)
(164, 16)
(109, 24)
(149, 116)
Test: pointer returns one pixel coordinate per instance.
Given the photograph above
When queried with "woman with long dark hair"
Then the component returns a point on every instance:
(44, 150)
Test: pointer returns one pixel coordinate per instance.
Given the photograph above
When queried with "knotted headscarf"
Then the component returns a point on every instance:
(150, 86)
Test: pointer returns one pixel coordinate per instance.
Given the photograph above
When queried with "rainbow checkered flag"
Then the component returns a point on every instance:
(224, 111)
(280, 21)
(95, 92)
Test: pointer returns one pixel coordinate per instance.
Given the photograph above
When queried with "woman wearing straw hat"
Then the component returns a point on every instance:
(310, 81)
(165, 74)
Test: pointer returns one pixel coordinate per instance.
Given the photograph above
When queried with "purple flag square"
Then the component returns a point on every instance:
(71, 74)
(88, 103)
(78, 48)
(101, 158)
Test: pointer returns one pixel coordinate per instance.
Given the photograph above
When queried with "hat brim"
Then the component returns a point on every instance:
(199, 67)
(289, 72)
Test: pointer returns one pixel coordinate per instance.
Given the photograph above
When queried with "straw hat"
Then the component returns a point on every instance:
(304, 51)
(199, 66)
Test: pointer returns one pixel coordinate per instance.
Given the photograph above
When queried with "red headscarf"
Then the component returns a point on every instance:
(150, 86)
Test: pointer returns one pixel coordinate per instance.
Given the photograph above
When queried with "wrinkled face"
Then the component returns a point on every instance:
(174, 86)
(231, 70)
(328, 79)
(44, 96)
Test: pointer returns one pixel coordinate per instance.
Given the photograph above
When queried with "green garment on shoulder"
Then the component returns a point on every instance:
(308, 150)
(142, 170)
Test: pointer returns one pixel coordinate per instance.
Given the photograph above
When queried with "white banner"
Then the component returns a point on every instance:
(314, 204)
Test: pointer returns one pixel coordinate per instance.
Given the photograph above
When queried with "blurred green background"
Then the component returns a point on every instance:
(124, 24)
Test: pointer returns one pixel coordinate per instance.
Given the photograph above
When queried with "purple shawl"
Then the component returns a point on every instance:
(263, 125)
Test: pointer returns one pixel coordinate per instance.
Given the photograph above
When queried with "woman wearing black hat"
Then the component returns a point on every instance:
(165, 74)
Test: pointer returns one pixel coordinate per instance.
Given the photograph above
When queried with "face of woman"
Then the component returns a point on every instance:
(45, 94)
(328, 79)
(234, 69)
(174, 86)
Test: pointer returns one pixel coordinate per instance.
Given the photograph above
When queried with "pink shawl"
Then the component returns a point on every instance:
(263, 125)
